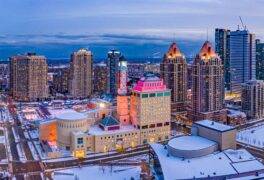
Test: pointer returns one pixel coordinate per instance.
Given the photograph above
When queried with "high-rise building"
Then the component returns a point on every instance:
(100, 78)
(173, 70)
(242, 58)
(207, 85)
(259, 60)
(28, 77)
(60, 80)
(252, 99)
(122, 97)
(81, 74)
(222, 48)
(113, 59)
(150, 109)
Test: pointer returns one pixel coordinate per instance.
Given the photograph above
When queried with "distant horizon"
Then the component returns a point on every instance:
(132, 47)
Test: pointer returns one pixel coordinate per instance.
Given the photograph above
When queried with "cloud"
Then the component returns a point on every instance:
(184, 18)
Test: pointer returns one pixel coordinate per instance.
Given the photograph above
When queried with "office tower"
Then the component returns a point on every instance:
(207, 85)
(242, 58)
(61, 80)
(150, 109)
(259, 60)
(28, 77)
(113, 59)
(252, 99)
(222, 48)
(81, 74)
(100, 78)
(122, 98)
(173, 70)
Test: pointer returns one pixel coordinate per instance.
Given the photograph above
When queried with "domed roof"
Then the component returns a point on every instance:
(71, 116)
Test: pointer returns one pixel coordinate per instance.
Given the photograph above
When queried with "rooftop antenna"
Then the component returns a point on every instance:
(206, 34)
(244, 26)
(174, 39)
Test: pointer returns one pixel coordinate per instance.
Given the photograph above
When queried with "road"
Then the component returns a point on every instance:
(19, 168)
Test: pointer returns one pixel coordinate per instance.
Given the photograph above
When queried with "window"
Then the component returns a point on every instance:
(166, 123)
(152, 126)
(167, 94)
(159, 125)
(79, 140)
(159, 94)
(144, 127)
(152, 95)
(144, 95)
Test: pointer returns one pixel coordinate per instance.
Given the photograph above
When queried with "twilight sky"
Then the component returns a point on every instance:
(55, 28)
(184, 19)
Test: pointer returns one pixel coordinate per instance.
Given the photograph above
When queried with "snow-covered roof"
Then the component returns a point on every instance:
(214, 125)
(190, 143)
(99, 173)
(71, 116)
(234, 113)
(215, 164)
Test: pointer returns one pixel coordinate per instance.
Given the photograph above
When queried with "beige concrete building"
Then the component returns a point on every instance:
(252, 99)
(173, 70)
(149, 121)
(81, 74)
(68, 123)
(223, 134)
(150, 109)
(28, 77)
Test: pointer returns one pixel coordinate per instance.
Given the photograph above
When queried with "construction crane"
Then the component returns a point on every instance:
(244, 26)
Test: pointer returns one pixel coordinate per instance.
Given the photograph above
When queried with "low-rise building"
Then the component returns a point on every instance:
(209, 153)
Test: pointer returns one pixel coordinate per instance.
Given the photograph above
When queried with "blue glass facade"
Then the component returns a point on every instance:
(242, 58)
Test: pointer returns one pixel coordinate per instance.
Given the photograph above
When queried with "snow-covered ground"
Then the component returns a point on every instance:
(17, 138)
(39, 149)
(21, 153)
(99, 173)
(34, 134)
(33, 151)
(6, 116)
(253, 136)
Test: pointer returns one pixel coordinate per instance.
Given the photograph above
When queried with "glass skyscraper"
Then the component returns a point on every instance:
(242, 58)
(113, 59)
(259, 60)
(222, 48)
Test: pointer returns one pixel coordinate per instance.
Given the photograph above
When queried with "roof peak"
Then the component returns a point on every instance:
(173, 51)
(207, 51)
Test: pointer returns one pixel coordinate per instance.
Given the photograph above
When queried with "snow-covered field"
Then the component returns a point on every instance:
(253, 136)
(99, 173)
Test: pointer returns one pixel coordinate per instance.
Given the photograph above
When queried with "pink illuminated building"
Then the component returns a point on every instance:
(122, 98)
(150, 109)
